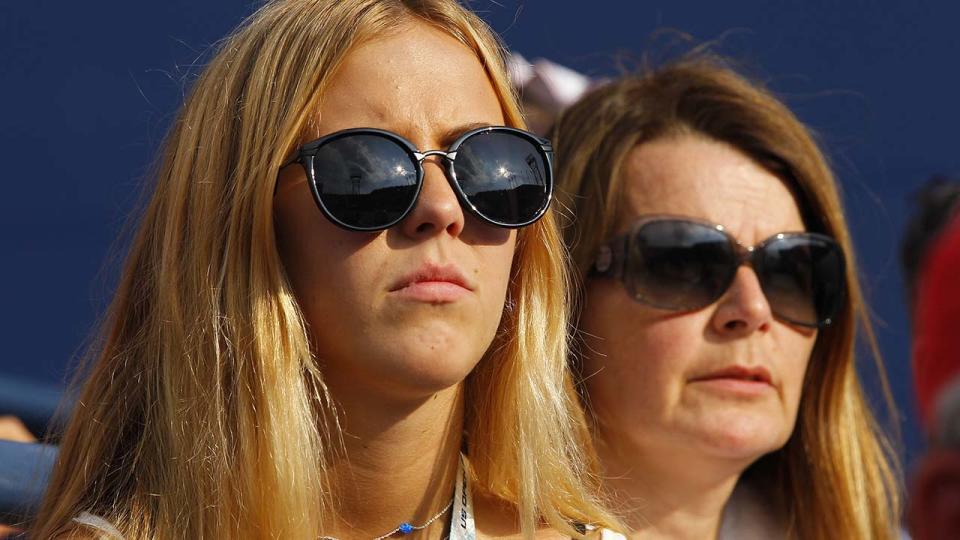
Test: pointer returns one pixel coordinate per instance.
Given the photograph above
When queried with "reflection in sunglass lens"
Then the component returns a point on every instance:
(676, 264)
(504, 176)
(365, 180)
(802, 277)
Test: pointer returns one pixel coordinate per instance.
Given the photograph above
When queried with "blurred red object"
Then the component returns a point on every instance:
(934, 511)
(936, 332)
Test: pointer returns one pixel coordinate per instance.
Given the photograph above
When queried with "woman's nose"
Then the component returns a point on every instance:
(437, 208)
(743, 309)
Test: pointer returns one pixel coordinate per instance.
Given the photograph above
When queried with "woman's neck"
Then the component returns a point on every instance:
(400, 465)
(675, 497)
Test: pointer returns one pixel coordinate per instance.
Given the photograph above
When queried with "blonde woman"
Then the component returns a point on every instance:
(720, 309)
(346, 275)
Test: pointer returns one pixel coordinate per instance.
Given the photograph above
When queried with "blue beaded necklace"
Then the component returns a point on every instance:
(462, 526)
(406, 527)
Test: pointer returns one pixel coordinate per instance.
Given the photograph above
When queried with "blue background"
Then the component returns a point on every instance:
(89, 88)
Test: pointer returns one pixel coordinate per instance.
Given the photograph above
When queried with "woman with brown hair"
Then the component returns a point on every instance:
(346, 275)
(720, 310)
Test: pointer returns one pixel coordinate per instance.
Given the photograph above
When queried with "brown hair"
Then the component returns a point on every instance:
(837, 473)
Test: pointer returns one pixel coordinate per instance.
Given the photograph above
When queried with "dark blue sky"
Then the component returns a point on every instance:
(89, 87)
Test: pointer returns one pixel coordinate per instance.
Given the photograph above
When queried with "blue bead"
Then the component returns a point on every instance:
(406, 528)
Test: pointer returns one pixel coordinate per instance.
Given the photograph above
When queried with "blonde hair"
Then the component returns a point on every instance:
(204, 414)
(836, 476)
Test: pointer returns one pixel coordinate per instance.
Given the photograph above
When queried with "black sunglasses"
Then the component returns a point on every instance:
(369, 179)
(681, 264)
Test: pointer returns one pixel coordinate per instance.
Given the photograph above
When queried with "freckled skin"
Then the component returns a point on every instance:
(425, 86)
(643, 359)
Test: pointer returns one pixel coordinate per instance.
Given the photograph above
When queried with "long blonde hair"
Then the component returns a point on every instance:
(837, 474)
(204, 414)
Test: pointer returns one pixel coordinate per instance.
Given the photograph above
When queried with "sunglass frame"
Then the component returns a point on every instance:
(307, 152)
(612, 262)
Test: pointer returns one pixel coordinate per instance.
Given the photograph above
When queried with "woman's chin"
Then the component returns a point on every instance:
(741, 439)
(404, 363)
(432, 357)
(413, 372)
(427, 376)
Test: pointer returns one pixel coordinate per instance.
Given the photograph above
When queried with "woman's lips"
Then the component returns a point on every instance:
(434, 292)
(739, 380)
(432, 283)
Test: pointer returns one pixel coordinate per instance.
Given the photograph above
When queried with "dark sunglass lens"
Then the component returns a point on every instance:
(365, 181)
(803, 278)
(675, 264)
(504, 176)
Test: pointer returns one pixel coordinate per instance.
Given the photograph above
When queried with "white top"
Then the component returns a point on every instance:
(607, 534)
(747, 516)
(462, 525)
(98, 523)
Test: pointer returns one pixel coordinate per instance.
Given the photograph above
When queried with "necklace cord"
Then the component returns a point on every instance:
(406, 527)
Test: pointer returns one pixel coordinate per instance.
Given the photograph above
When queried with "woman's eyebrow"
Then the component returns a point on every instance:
(447, 137)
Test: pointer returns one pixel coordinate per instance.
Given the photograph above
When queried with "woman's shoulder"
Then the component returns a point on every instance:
(79, 532)
(603, 534)
(497, 519)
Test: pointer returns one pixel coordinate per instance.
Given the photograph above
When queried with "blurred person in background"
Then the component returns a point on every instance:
(936, 203)
(346, 275)
(930, 255)
(12, 429)
(545, 89)
(720, 310)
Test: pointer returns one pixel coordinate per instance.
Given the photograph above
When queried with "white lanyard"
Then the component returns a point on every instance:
(462, 525)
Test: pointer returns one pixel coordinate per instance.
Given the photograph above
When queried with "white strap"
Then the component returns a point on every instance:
(462, 525)
(98, 523)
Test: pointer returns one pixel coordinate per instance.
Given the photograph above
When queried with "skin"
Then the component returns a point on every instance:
(394, 364)
(12, 429)
(368, 339)
(672, 447)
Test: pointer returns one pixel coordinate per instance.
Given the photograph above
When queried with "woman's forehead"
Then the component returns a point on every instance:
(419, 82)
(706, 179)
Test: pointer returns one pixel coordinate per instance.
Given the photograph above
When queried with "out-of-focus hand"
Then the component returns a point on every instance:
(8, 532)
(12, 429)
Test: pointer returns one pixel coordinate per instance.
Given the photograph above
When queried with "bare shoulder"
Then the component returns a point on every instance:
(548, 533)
(79, 532)
(593, 534)
(497, 520)
(82, 533)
